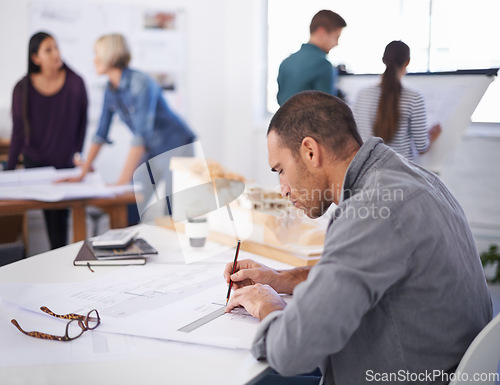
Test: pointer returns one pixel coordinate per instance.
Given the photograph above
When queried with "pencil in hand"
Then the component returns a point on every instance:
(232, 272)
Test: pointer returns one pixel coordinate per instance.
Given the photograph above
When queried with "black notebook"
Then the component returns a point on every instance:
(133, 254)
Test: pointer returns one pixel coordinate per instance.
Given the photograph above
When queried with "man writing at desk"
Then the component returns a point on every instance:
(399, 290)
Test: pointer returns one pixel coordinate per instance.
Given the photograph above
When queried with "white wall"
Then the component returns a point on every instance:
(14, 44)
(225, 64)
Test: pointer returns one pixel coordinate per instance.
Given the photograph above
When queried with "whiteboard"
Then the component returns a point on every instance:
(450, 99)
(156, 37)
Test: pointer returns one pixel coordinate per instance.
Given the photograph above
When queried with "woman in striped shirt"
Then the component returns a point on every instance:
(392, 112)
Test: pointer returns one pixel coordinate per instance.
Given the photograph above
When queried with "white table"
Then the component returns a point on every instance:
(176, 363)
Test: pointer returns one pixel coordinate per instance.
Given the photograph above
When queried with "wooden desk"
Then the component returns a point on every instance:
(115, 206)
(4, 150)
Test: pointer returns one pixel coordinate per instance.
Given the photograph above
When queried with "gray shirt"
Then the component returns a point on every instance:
(399, 292)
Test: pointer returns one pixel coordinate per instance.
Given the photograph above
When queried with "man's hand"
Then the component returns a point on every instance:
(249, 272)
(259, 300)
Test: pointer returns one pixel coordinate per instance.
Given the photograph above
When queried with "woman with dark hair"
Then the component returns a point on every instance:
(393, 112)
(49, 113)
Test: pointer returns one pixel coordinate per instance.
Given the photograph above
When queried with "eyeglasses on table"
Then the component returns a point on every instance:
(77, 325)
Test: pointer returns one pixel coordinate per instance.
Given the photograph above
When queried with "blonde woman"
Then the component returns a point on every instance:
(138, 101)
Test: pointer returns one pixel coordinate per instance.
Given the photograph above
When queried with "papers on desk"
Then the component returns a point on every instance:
(39, 184)
(156, 301)
(27, 176)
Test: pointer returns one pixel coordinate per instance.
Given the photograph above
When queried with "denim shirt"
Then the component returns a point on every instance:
(139, 102)
(399, 290)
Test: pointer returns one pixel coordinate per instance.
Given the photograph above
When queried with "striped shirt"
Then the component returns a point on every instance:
(411, 136)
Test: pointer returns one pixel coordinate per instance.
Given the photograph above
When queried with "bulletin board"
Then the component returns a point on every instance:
(450, 98)
(156, 37)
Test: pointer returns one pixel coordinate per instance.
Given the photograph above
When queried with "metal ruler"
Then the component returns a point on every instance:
(202, 321)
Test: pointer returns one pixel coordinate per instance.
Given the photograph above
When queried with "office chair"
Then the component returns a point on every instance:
(482, 357)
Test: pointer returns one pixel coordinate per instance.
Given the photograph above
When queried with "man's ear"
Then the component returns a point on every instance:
(321, 31)
(310, 152)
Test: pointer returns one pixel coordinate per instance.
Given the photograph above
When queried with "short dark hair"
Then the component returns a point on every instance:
(321, 116)
(327, 19)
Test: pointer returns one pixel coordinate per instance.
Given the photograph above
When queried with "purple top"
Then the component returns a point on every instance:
(57, 123)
